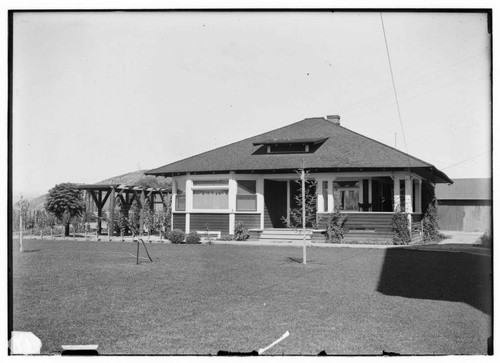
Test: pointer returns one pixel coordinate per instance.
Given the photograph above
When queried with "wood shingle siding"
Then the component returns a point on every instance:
(215, 221)
(249, 220)
(179, 221)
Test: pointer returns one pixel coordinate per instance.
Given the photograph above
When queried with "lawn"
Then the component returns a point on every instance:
(200, 299)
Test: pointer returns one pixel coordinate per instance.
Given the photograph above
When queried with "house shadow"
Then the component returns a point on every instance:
(438, 275)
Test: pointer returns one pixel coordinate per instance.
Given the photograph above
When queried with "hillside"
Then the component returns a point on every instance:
(127, 179)
(132, 178)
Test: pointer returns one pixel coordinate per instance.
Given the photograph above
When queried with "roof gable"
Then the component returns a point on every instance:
(342, 148)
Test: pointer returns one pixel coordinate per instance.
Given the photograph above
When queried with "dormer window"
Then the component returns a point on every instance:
(289, 146)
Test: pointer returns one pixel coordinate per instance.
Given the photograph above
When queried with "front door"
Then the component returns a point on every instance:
(275, 203)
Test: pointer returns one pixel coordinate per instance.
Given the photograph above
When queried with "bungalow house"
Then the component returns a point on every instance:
(252, 181)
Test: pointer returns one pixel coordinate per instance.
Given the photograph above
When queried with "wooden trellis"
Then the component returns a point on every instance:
(101, 193)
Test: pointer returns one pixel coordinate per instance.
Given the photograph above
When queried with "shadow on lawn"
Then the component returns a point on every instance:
(438, 275)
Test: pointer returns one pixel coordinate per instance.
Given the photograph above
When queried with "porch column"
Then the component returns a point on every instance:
(370, 194)
(396, 201)
(418, 196)
(320, 207)
(260, 200)
(408, 195)
(188, 223)
(360, 193)
(189, 202)
(233, 189)
(408, 200)
(288, 202)
(331, 207)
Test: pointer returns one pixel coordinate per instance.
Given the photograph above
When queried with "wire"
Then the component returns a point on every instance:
(395, 92)
(463, 161)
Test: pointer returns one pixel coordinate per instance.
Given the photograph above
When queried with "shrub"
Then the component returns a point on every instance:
(193, 238)
(430, 228)
(400, 229)
(335, 227)
(240, 232)
(176, 236)
(485, 240)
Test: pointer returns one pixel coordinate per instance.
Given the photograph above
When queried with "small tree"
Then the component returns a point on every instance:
(65, 202)
(30, 222)
(134, 217)
(162, 223)
(149, 220)
(121, 219)
(41, 222)
(51, 222)
(295, 219)
(77, 223)
(24, 207)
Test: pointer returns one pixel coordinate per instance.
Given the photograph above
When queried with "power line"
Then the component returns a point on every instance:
(421, 81)
(463, 161)
(395, 92)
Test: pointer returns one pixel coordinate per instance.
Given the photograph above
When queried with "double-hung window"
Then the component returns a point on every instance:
(180, 198)
(246, 196)
(211, 194)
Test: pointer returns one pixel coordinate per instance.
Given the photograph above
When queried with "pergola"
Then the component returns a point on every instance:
(101, 193)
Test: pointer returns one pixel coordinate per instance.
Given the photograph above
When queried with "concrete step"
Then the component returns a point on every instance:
(282, 234)
(277, 237)
(283, 231)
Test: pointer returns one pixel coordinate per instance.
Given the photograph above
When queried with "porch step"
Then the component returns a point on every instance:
(282, 235)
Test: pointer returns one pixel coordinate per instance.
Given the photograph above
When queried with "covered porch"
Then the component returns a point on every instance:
(262, 202)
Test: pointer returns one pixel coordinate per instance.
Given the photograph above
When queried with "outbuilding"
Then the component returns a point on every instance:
(465, 205)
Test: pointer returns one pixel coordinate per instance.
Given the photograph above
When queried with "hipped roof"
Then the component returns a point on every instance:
(343, 150)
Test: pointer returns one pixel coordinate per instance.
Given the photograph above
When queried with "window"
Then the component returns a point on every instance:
(210, 182)
(211, 194)
(346, 195)
(246, 197)
(180, 198)
(288, 148)
(325, 196)
(211, 199)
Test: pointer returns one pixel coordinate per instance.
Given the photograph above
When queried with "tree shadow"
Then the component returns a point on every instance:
(438, 275)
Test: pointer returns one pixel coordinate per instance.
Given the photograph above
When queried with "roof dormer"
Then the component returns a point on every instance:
(289, 146)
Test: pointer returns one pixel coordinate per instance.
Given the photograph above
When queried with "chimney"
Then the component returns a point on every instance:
(334, 119)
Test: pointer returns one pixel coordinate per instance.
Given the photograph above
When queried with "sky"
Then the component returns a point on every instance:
(97, 95)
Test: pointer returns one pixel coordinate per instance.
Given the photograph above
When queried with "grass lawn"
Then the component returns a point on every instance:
(199, 299)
